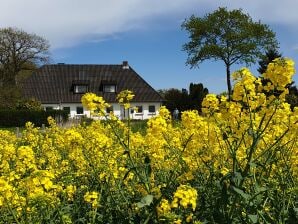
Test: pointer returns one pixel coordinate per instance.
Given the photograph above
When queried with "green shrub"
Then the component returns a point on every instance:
(18, 118)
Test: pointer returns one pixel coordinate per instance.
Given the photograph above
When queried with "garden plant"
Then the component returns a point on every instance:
(234, 163)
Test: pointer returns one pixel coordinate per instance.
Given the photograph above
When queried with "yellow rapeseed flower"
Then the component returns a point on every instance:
(124, 98)
(94, 103)
(91, 198)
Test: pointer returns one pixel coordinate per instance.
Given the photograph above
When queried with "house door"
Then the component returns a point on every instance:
(123, 113)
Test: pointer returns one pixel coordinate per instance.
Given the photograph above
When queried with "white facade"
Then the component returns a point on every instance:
(145, 110)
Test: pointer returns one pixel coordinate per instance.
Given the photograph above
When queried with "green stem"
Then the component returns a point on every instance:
(94, 215)
(12, 213)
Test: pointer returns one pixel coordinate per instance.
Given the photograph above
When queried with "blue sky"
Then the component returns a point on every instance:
(146, 33)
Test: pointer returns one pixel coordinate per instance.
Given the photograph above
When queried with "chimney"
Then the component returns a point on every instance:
(125, 65)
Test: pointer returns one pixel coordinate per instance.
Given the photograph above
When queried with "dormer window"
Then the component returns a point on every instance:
(80, 86)
(109, 88)
(80, 89)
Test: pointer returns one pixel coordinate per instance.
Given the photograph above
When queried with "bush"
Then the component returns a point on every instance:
(18, 118)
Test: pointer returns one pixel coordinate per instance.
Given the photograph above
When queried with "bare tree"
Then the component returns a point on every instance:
(20, 51)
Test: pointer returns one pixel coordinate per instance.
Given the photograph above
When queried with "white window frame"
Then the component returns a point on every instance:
(109, 88)
(80, 88)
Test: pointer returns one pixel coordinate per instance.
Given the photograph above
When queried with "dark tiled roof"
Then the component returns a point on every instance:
(54, 83)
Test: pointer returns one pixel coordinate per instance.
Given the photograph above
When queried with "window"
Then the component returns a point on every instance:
(151, 109)
(49, 108)
(80, 110)
(80, 88)
(67, 109)
(109, 88)
(139, 109)
(109, 109)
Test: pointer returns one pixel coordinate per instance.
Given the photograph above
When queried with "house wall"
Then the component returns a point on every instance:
(72, 106)
(118, 110)
(145, 114)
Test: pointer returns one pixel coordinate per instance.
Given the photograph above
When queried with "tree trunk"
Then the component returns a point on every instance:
(229, 82)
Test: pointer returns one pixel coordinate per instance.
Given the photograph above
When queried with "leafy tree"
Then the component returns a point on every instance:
(229, 36)
(20, 54)
(269, 56)
(9, 97)
(182, 100)
(175, 98)
(197, 93)
(292, 97)
(19, 51)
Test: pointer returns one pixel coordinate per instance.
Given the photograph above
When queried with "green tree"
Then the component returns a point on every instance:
(9, 97)
(183, 99)
(292, 97)
(229, 36)
(20, 51)
(197, 93)
(175, 98)
(20, 54)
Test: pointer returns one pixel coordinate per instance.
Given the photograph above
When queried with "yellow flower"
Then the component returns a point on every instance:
(164, 207)
(280, 72)
(210, 103)
(189, 217)
(186, 195)
(70, 190)
(224, 171)
(91, 198)
(94, 103)
(124, 98)
(178, 221)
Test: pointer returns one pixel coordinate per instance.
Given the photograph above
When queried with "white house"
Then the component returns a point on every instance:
(61, 86)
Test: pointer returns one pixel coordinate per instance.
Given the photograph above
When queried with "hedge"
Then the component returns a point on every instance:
(18, 118)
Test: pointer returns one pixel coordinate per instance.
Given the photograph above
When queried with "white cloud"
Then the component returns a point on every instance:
(269, 11)
(68, 22)
(65, 22)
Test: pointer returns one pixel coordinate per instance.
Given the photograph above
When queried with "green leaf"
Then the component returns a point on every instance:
(237, 177)
(260, 189)
(295, 211)
(147, 200)
(253, 218)
(241, 192)
(253, 165)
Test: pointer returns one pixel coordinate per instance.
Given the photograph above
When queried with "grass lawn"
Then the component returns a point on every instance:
(136, 125)
(139, 125)
(13, 129)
